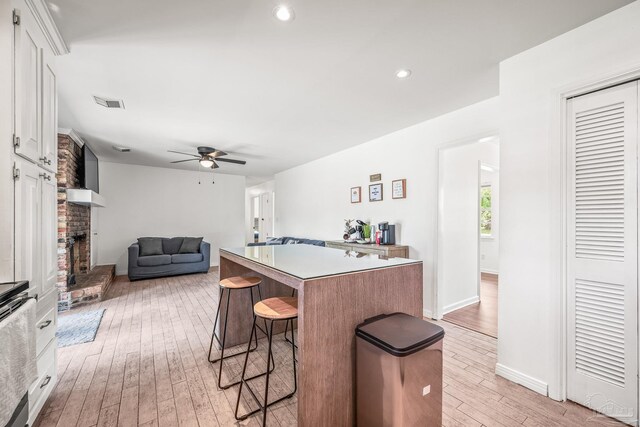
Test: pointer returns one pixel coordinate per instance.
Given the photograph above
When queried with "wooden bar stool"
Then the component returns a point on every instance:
(270, 310)
(233, 284)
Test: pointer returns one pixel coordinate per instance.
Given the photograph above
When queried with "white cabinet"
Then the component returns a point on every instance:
(36, 227)
(35, 91)
(49, 155)
(28, 198)
(34, 156)
(49, 239)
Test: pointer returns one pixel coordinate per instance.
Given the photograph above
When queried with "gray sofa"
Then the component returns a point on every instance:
(170, 263)
(288, 241)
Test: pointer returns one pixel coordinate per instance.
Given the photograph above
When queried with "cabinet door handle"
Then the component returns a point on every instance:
(44, 324)
(46, 381)
(48, 161)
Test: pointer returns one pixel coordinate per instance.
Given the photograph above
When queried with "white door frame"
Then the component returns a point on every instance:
(437, 306)
(558, 198)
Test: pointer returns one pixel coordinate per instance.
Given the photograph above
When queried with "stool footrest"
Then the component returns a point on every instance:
(257, 400)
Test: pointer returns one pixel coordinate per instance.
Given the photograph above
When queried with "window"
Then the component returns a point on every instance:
(485, 211)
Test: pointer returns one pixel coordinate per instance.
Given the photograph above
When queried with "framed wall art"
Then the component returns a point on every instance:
(356, 194)
(399, 189)
(375, 192)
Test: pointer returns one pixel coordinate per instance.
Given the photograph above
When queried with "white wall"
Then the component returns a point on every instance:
(250, 193)
(459, 221)
(148, 201)
(490, 246)
(312, 200)
(531, 187)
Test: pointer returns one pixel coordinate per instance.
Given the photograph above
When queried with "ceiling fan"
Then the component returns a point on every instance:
(208, 157)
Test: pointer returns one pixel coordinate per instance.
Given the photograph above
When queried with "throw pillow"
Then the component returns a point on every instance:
(190, 245)
(172, 246)
(150, 246)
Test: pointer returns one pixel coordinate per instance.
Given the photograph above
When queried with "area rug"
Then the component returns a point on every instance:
(78, 328)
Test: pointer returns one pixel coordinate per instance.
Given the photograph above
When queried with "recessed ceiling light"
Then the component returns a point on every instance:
(284, 13)
(403, 74)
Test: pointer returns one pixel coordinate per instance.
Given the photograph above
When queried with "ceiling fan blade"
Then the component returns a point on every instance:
(217, 153)
(214, 165)
(187, 160)
(186, 154)
(239, 162)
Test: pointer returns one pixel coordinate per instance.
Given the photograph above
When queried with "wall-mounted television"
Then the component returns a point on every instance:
(89, 170)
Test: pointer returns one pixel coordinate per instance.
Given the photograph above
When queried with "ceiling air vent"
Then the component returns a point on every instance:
(109, 103)
(121, 149)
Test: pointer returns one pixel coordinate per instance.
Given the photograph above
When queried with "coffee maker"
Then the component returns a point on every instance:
(388, 232)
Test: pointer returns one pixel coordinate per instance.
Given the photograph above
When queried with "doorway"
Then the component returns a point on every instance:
(262, 209)
(468, 235)
(602, 251)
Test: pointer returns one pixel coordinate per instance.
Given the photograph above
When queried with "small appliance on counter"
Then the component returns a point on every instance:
(388, 232)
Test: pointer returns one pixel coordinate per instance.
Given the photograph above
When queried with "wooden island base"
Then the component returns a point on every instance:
(330, 308)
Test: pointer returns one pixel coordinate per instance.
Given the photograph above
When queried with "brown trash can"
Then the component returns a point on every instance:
(399, 372)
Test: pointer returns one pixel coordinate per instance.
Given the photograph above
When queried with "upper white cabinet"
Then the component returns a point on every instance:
(49, 156)
(35, 91)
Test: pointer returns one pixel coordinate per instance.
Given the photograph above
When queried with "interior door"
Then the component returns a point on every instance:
(602, 253)
(266, 216)
(94, 236)
(27, 225)
(28, 80)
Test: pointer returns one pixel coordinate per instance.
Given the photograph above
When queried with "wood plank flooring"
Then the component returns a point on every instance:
(148, 367)
(483, 316)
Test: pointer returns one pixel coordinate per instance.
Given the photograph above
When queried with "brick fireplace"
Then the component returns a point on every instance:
(77, 282)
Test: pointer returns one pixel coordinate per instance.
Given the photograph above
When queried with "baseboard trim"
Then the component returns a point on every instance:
(457, 305)
(427, 313)
(522, 379)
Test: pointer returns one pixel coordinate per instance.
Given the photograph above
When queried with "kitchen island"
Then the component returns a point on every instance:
(336, 291)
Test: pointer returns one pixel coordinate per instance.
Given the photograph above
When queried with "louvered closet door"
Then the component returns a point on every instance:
(603, 252)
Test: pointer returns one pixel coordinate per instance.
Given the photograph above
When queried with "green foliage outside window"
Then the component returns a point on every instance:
(485, 210)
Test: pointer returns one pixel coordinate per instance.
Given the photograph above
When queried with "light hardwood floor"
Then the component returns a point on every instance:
(483, 316)
(148, 367)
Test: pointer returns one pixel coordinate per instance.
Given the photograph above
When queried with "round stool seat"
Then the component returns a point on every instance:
(239, 282)
(278, 308)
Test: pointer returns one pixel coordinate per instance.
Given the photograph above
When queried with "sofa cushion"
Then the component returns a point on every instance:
(171, 246)
(190, 245)
(154, 260)
(185, 258)
(150, 246)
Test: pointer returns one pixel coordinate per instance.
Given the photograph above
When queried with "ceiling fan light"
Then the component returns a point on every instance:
(206, 163)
